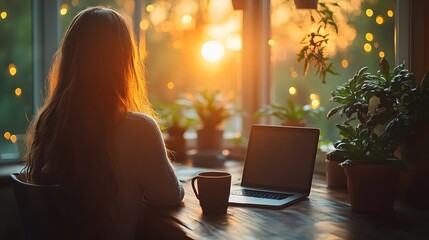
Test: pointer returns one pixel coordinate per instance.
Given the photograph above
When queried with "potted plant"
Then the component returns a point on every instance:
(335, 175)
(175, 122)
(371, 163)
(212, 108)
(290, 114)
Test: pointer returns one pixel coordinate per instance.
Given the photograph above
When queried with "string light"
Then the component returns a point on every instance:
(18, 92)
(13, 138)
(12, 69)
(379, 20)
(367, 47)
(7, 135)
(271, 42)
(292, 90)
(64, 9)
(369, 12)
(369, 36)
(381, 54)
(390, 13)
(3, 15)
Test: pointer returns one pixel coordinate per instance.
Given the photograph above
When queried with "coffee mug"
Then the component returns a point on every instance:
(213, 191)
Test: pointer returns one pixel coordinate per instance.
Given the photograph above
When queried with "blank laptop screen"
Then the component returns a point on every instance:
(280, 158)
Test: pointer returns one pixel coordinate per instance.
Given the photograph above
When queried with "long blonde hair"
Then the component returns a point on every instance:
(95, 79)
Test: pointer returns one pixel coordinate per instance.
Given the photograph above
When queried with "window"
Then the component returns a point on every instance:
(16, 75)
(365, 35)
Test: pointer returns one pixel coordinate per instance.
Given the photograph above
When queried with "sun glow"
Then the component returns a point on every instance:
(212, 51)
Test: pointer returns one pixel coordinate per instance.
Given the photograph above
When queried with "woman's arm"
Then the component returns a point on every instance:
(153, 170)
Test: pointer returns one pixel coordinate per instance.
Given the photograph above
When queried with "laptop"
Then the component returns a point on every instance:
(278, 167)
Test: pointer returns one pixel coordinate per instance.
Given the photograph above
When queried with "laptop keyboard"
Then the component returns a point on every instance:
(260, 194)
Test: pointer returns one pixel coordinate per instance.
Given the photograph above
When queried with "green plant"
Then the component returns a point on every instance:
(388, 99)
(314, 43)
(173, 118)
(212, 107)
(288, 113)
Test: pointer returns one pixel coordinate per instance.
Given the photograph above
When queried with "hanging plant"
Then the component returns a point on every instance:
(315, 43)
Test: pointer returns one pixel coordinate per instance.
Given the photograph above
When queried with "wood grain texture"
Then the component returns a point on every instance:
(326, 214)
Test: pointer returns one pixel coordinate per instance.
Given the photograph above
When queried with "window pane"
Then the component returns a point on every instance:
(171, 35)
(365, 34)
(16, 76)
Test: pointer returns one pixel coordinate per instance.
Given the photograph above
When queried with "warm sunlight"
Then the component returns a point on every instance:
(212, 51)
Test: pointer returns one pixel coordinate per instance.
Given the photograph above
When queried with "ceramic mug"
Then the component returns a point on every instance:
(213, 191)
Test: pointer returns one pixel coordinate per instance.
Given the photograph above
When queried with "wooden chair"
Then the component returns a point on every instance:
(46, 212)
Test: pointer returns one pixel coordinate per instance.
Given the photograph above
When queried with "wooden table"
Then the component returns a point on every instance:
(326, 214)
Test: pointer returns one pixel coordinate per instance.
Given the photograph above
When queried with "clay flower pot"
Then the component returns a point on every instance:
(306, 4)
(335, 175)
(372, 188)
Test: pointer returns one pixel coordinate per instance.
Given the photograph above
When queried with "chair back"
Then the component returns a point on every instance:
(46, 211)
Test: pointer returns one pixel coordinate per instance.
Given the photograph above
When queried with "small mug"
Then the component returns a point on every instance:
(213, 191)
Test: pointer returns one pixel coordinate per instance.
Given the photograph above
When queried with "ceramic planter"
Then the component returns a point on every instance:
(372, 188)
(306, 4)
(177, 147)
(335, 175)
(210, 140)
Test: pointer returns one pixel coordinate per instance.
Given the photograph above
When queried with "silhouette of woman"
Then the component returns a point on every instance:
(95, 133)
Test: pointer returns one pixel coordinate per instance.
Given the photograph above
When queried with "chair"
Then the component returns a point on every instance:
(46, 212)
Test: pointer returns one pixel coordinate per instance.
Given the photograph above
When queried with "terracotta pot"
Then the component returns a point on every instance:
(335, 175)
(372, 188)
(210, 140)
(177, 148)
(306, 4)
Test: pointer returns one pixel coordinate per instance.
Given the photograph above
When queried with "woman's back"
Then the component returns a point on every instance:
(142, 170)
(84, 136)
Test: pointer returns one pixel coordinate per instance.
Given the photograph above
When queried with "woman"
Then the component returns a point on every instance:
(95, 134)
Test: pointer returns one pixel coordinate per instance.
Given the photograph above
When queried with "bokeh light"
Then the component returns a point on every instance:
(390, 13)
(64, 9)
(315, 103)
(18, 92)
(369, 37)
(12, 69)
(149, 8)
(313, 96)
(271, 42)
(379, 20)
(186, 19)
(212, 51)
(345, 63)
(292, 90)
(369, 12)
(3, 15)
(367, 47)
(7, 135)
(170, 85)
(381, 54)
(13, 138)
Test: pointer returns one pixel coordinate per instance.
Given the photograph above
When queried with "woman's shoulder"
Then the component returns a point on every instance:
(138, 117)
(138, 121)
(135, 124)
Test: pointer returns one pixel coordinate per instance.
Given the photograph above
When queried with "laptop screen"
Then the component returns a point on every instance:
(280, 158)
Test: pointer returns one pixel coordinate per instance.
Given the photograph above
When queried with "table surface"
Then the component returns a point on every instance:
(325, 214)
